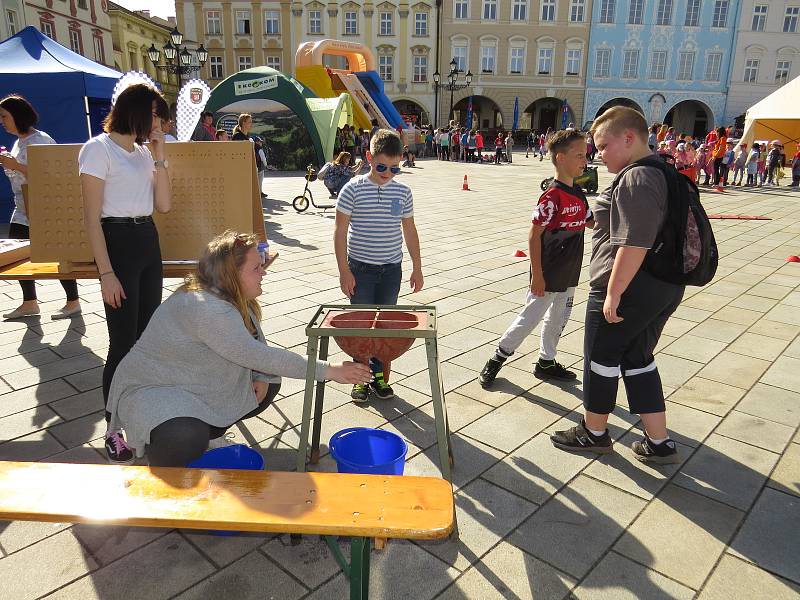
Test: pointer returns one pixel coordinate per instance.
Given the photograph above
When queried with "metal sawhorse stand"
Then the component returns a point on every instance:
(319, 332)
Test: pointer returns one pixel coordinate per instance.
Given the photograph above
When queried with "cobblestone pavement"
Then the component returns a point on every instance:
(534, 522)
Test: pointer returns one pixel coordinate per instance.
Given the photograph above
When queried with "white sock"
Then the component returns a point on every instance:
(655, 441)
(596, 433)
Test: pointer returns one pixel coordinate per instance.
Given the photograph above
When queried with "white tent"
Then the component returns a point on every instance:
(776, 117)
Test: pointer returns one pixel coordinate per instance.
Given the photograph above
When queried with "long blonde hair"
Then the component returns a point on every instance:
(242, 119)
(218, 272)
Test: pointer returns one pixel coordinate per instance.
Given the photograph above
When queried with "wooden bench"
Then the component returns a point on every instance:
(329, 504)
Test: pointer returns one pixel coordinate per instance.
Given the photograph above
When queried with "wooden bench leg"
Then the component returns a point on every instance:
(359, 568)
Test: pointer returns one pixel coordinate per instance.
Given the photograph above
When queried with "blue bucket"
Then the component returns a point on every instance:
(367, 450)
(237, 456)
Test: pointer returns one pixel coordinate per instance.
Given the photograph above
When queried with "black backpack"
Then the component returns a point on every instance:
(684, 251)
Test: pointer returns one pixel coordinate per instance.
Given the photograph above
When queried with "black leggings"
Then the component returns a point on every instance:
(135, 256)
(626, 348)
(179, 441)
(717, 171)
(18, 231)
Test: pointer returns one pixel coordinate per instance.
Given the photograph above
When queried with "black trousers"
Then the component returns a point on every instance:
(135, 256)
(18, 231)
(717, 171)
(625, 349)
(179, 441)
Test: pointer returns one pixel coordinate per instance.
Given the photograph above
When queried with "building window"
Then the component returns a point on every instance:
(421, 24)
(82, 4)
(790, 19)
(751, 70)
(387, 23)
(713, 66)
(549, 10)
(245, 62)
(461, 9)
(759, 17)
(630, 64)
(351, 23)
(782, 69)
(664, 12)
(577, 10)
(607, 9)
(99, 50)
(658, 64)
(517, 60)
(272, 22)
(545, 66)
(488, 55)
(385, 67)
(635, 12)
(314, 21)
(214, 22)
(685, 66)
(460, 56)
(519, 10)
(602, 64)
(75, 41)
(274, 62)
(574, 61)
(48, 29)
(11, 22)
(215, 64)
(420, 74)
(489, 10)
(132, 60)
(243, 22)
(692, 13)
(720, 18)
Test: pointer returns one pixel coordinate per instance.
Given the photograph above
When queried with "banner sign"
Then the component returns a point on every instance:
(192, 100)
(253, 86)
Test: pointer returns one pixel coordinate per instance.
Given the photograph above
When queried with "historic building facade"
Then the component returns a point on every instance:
(668, 59)
(12, 15)
(132, 33)
(81, 25)
(767, 53)
(529, 52)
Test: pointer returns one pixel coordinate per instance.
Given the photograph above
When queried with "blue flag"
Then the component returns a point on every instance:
(515, 126)
(564, 114)
(469, 113)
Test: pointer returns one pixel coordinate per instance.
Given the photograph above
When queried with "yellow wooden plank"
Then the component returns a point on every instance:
(270, 501)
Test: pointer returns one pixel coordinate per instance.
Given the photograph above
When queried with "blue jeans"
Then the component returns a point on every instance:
(375, 284)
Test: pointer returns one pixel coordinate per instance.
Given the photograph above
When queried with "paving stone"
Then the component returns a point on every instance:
(31, 447)
(727, 470)
(453, 376)
(695, 348)
(706, 395)
(43, 567)
(82, 430)
(79, 405)
(15, 535)
(311, 561)
(508, 572)
(770, 542)
(681, 535)
(786, 476)
(577, 525)
(735, 369)
(537, 469)
(617, 578)
(753, 302)
(758, 346)
(784, 313)
(784, 373)
(755, 431)
(26, 422)
(722, 331)
(781, 331)
(53, 370)
(735, 578)
(689, 426)
(461, 410)
(674, 370)
(107, 543)
(512, 424)
(471, 459)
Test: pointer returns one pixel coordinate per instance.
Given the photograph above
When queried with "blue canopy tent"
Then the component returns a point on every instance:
(71, 93)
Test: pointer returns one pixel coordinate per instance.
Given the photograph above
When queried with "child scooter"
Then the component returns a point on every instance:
(587, 181)
(300, 203)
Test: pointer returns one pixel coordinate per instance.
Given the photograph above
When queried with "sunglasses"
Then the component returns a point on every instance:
(380, 168)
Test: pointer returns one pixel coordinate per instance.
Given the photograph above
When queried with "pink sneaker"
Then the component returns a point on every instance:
(118, 451)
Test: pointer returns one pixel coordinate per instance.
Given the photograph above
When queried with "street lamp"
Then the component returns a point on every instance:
(452, 84)
(172, 51)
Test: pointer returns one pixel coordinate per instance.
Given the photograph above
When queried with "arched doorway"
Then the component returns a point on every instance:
(618, 102)
(411, 112)
(486, 114)
(690, 117)
(547, 113)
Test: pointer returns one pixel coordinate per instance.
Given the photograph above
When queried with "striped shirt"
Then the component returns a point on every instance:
(375, 235)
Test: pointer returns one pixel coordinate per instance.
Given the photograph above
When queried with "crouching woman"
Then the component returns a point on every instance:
(203, 364)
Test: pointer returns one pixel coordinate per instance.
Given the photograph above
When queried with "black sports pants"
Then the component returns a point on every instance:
(625, 349)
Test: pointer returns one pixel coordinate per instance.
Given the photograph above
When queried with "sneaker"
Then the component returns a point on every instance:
(380, 388)
(579, 439)
(489, 372)
(551, 369)
(665, 453)
(360, 392)
(118, 451)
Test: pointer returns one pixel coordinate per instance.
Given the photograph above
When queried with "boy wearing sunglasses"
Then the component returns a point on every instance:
(374, 213)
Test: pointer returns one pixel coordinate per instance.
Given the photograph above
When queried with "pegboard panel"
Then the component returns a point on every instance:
(212, 190)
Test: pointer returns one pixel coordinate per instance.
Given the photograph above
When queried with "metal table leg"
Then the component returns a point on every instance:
(311, 371)
(318, 403)
(359, 568)
(439, 409)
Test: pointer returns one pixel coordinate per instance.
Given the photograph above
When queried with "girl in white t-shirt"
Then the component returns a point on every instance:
(18, 118)
(122, 181)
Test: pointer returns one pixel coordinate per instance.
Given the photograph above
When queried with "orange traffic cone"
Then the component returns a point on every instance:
(719, 188)
(465, 185)
(520, 253)
(793, 259)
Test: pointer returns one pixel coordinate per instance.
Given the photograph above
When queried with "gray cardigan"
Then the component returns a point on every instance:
(195, 359)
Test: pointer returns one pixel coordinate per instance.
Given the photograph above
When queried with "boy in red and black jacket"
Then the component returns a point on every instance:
(555, 244)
